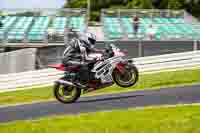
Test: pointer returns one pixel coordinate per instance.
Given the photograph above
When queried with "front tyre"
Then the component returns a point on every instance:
(66, 94)
(128, 78)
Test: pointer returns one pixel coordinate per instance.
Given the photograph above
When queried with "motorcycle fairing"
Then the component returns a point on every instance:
(103, 70)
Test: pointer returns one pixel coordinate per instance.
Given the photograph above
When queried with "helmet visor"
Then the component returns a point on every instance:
(92, 41)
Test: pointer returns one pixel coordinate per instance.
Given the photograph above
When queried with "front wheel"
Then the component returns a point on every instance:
(66, 94)
(128, 78)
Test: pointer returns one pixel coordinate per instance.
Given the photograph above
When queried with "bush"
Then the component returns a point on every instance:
(95, 16)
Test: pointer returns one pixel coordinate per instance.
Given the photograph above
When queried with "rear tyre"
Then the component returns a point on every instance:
(66, 94)
(128, 78)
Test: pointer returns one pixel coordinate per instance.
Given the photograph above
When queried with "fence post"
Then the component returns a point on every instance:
(195, 45)
(140, 48)
(66, 35)
(119, 14)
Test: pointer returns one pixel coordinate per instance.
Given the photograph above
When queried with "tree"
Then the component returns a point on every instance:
(163, 4)
(147, 4)
(141, 4)
(76, 4)
(193, 6)
(156, 3)
(175, 4)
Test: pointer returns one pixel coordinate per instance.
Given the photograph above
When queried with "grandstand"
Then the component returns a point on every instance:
(177, 25)
(32, 26)
(21, 26)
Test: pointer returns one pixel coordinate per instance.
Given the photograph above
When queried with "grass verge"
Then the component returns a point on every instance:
(150, 81)
(180, 119)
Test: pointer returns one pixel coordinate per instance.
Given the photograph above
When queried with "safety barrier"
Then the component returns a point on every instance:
(15, 81)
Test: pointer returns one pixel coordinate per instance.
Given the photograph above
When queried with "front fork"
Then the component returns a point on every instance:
(122, 65)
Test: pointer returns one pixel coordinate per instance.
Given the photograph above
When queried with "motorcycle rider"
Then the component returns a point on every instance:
(76, 54)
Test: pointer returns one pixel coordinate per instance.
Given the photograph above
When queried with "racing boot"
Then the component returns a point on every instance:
(83, 78)
(75, 79)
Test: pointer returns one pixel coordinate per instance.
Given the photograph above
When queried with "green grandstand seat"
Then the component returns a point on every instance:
(59, 23)
(166, 20)
(7, 22)
(38, 29)
(128, 28)
(157, 20)
(158, 36)
(146, 20)
(20, 28)
(77, 23)
(168, 27)
(36, 37)
(111, 19)
(185, 28)
(1, 34)
(112, 27)
(127, 20)
(127, 25)
(176, 20)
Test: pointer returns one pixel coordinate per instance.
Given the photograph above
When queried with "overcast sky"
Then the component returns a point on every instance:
(31, 4)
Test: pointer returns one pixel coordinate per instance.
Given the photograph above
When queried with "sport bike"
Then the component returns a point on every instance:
(111, 68)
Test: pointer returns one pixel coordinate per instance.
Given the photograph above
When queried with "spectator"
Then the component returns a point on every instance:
(135, 24)
(151, 32)
(51, 33)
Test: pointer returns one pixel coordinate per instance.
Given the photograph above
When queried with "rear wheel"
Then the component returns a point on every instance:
(66, 94)
(128, 78)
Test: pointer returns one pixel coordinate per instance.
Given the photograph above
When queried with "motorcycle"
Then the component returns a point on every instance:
(103, 73)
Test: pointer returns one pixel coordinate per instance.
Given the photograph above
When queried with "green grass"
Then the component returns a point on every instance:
(181, 119)
(151, 81)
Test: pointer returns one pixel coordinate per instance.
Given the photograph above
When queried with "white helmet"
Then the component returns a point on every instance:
(89, 39)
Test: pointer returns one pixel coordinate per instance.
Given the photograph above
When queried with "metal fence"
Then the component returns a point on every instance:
(186, 20)
(53, 54)
(19, 61)
(145, 65)
(149, 13)
(47, 37)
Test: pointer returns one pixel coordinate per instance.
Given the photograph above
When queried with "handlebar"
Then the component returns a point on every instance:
(108, 53)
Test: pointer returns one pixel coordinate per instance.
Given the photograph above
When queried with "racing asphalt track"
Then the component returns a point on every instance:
(165, 96)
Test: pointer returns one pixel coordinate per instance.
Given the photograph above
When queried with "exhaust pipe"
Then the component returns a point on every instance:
(65, 82)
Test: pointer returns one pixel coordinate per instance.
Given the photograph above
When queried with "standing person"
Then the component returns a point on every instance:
(51, 33)
(151, 31)
(136, 22)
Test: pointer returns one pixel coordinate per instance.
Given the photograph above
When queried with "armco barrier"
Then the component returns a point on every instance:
(169, 61)
(16, 81)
